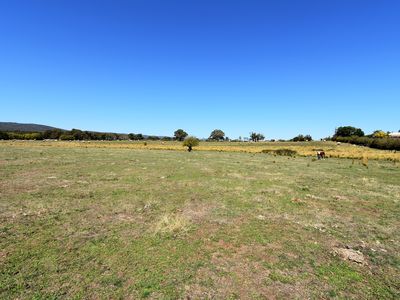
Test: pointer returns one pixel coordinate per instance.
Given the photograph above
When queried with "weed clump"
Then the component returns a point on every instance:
(364, 161)
(281, 152)
(172, 224)
(285, 152)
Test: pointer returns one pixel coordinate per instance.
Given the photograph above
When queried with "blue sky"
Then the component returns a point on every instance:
(276, 67)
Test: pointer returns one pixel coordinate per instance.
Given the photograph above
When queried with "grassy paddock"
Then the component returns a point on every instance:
(302, 148)
(102, 220)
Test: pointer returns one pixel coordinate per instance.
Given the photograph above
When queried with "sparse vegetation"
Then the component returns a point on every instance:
(104, 220)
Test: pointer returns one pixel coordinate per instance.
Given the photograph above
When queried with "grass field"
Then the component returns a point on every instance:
(112, 220)
(302, 148)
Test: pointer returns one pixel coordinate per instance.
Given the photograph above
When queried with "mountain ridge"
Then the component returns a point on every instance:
(25, 127)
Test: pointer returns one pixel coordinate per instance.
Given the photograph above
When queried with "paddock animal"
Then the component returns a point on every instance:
(320, 154)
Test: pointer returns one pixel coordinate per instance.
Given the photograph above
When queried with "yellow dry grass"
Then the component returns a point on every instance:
(303, 148)
(172, 224)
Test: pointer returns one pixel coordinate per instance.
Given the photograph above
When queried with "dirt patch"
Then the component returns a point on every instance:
(197, 211)
(231, 273)
(298, 201)
(239, 273)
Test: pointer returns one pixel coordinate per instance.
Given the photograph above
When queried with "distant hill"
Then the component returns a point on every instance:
(21, 128)
(10, 126)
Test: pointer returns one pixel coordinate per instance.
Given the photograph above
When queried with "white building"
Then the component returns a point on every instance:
(395, 135)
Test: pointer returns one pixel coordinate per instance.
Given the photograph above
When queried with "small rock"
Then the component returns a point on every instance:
(351, 255)
(261, 217)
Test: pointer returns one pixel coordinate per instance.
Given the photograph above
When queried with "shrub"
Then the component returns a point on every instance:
(377, 143)
(190, 142)
(267, 151)
(4, 135)
(285, 152)
(67, 137)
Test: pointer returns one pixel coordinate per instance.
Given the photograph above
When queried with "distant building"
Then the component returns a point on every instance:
(395, 135)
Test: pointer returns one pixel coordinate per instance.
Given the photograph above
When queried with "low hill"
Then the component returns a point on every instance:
(22, 127)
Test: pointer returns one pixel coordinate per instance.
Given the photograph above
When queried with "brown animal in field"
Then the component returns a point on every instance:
(320, 154)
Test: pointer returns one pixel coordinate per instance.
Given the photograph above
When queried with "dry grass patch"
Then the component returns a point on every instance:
(175, 224)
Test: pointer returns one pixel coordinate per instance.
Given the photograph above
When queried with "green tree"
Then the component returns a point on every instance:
(255, 137)
(190, 142)
(379, 134)
(134, 136)
(344, 131)
(52, 134)
(302, 138)
(67, 137)
(217, 135)
(4, 135)
(180, 135)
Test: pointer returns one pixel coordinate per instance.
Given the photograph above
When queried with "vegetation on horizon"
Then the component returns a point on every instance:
(347, 134)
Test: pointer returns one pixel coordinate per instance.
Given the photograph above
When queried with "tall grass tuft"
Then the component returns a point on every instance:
(364, 161)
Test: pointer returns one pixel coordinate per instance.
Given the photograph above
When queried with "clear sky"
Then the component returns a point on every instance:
(152, 66)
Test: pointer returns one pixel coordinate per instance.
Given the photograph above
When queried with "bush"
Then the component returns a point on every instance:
(267, 151)
(285, 152)
(302, 138)
(282, 152)
(377, 143)
(67, 137)
(190, 142)
(4, 135)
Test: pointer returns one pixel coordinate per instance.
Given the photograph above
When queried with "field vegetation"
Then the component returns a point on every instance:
(332, 149)
(92, 220)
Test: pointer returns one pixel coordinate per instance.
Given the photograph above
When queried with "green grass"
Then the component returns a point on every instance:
(121, 223)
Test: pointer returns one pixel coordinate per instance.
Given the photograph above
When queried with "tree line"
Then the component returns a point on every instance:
(379, 139)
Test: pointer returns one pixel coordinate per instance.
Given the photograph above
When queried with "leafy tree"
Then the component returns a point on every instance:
(79, 134)
(217, 135)
(255, 137)
(190, 142)
(344, 131)
(153, 138)
(167, 138)
(4, 135)
(379, 134)
(52, 134)
(134, 136)
(180, 135)
(67, 137)
(302, 138)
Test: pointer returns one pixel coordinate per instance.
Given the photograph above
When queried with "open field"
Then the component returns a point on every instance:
(112, 220)
(303, 148)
